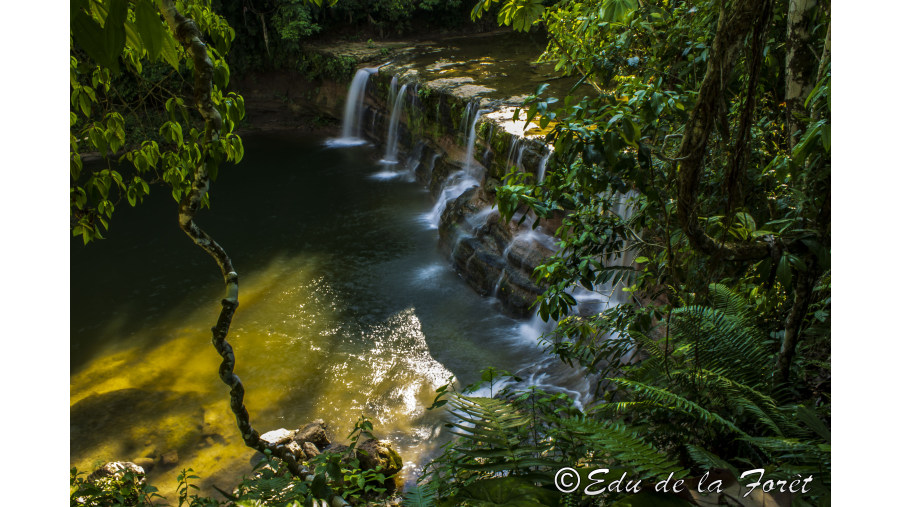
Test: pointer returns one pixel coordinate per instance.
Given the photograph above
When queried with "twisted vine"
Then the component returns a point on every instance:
(187, 33)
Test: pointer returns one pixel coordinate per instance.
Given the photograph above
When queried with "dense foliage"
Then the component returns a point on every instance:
(704, 158)
(275, 33)
(130, 79)
(710, 125)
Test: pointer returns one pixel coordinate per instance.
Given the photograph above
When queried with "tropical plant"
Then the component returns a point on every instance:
(111, 42)
(688, 129)
(684, 158)
(701, 400)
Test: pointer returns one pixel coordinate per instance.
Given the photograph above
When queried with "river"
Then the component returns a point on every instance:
(347, 308)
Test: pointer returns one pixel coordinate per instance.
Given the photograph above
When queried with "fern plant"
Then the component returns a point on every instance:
(699, 398)
(708, 396)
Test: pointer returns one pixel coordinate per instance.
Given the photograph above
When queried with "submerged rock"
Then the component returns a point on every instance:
(170, 458)
(146, 463)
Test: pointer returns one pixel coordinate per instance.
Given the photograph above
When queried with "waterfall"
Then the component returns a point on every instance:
(392, 95)
(512, 149)
(542, 167)
(589, 302)
(520, 154)
(414, 161)
(456, 184)
(390, 152)
(470, 143)
(465, 117)
(351, 131)
(430, 169)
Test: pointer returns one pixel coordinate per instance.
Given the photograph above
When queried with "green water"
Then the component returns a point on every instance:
(346, 308)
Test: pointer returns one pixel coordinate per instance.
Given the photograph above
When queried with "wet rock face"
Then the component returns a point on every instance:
(488, 254)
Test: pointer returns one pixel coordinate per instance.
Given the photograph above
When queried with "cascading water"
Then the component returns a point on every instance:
(392, 95)
(542, 167)
(512, 150)
(547, 372)
(430, 170)
(390, 152)
(461, 180)
(470, 143)
(604, 296)
(351, 130)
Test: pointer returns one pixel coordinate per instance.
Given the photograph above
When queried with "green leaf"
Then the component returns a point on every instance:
(85, 103)
(151, 28)
(238, 146)
(114, 30)
(87, 33)
(631, 132)
(133, 39)
(783, 272)
(825, 136)
(169, 50)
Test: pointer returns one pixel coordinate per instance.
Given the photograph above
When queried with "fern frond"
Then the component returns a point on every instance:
(622, 444)
(672, 401)
(727, 301)
(743, 398)
(715, 340)
(708, 460)
(419, 496)
(492, 436)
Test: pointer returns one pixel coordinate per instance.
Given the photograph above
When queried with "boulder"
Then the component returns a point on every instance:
(310, 450)
(347, 454)
(314, 433)
(277, 437)
(296, 450)
(379, 454)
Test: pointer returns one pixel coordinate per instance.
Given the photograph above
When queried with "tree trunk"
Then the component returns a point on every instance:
(800, 63)
(731, 32)
(802, 297)
(189, 36)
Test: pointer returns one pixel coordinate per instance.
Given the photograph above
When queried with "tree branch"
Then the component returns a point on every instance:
(187, 33)
(732, 29)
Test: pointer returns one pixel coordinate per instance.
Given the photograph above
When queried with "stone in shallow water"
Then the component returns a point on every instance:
(277, 437)
(313, 432)
(170, 458)
(310, 450)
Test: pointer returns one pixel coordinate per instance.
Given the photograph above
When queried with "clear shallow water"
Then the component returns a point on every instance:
(346, 308)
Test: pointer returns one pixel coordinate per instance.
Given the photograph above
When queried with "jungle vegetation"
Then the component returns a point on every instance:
(712, 118)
